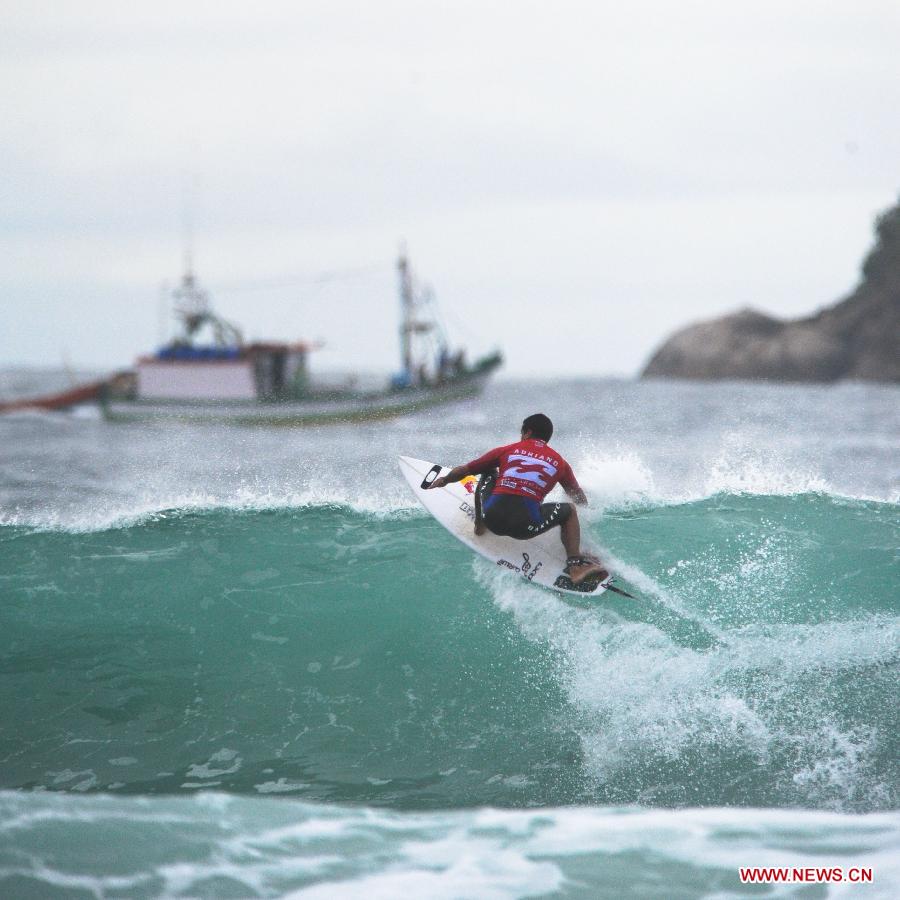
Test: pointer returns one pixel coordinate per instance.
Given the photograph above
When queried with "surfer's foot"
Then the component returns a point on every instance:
(578, 568)
(480, 528)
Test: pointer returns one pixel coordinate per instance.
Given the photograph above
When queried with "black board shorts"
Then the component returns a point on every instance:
(510, 515)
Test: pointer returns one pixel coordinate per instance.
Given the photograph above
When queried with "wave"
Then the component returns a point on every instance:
(369, 658)
(217, 845)
(623, 480)
(615, 484)
(760, 714)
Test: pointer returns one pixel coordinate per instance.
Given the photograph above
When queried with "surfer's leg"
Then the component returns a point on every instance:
(578, 567)
(565, 517)
(482, 494)
(570, 532)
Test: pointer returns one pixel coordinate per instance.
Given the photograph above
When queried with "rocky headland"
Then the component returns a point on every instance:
(856, 338)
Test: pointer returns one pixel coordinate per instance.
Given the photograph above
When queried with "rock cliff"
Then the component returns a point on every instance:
(857, 338)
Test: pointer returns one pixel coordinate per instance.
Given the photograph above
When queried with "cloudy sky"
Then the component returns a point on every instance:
(574, 179)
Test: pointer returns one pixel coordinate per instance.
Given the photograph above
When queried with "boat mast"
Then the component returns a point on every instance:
(407, 304)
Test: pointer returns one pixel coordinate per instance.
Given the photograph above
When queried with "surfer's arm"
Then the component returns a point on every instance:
(572, 488)
(486, 463)
(455, 474)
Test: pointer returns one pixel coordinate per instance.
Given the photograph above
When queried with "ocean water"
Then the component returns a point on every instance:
(244, 663)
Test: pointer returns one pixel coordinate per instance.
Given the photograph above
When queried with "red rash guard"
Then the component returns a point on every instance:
(527, 468)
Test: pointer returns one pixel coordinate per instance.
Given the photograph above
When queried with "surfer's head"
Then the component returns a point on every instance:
(539, 425)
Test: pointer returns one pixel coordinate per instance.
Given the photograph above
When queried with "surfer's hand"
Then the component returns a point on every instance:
(438, 483)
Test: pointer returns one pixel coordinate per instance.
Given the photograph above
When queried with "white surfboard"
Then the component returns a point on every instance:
(540, 559)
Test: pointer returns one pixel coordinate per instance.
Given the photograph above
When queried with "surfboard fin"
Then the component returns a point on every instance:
(611, 587)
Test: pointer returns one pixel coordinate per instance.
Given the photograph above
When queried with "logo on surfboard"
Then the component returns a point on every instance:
(527, 568)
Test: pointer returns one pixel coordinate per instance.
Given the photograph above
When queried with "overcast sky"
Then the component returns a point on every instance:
(575, 180)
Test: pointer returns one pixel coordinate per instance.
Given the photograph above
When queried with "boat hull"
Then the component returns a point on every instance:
(296, 413)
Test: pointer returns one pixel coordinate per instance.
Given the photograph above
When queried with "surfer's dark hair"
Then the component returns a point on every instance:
(539, 425)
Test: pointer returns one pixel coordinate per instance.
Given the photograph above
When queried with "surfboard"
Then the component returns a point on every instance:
(540, 559)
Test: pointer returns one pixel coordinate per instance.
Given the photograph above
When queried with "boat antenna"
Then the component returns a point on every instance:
(188, 206)
(191, 302)
(162, 313)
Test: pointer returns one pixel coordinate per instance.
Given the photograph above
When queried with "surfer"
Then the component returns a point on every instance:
(514, 481)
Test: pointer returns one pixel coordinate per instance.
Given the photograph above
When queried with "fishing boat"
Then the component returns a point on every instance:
(208, 373)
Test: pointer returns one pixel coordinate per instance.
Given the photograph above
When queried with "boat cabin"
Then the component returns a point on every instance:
(259, 371)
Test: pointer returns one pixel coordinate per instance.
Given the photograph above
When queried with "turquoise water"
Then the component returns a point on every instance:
(245, 663)
(306, 647)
